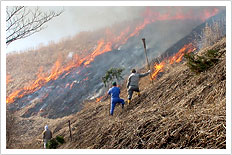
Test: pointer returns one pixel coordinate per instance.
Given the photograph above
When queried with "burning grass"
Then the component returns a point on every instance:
(176, 58)
(181, 111)
(24, 80)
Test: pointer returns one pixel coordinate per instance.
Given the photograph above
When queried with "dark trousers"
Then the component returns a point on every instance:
(131, 90)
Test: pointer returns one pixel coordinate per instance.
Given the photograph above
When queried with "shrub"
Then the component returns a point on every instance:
(60, 139)
(112, 74)
(200, 64)
(52, 144)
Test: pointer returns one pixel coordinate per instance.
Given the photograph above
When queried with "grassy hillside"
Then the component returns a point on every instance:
(181, 110)
(22, 68)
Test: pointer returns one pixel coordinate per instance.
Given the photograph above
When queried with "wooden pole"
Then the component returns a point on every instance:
(148, 65)
(69, 124)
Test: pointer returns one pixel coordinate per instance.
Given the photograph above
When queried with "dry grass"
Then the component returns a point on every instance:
(211, 33)
(23, 67)
(181, 110)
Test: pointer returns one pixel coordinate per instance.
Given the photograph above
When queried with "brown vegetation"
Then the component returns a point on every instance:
(181, 110)
(23, 67)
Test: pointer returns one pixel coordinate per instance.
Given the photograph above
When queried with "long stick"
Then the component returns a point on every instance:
(69, 124)
(145, 51)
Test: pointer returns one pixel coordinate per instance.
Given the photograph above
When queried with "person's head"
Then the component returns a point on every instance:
(46, 127)
(133, 71)
(114, 83)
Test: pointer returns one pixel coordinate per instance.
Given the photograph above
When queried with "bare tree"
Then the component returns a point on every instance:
(22, 21)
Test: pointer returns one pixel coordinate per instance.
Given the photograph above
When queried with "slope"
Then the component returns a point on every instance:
(181, 110)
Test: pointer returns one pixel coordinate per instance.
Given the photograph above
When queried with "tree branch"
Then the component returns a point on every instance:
(23, 22)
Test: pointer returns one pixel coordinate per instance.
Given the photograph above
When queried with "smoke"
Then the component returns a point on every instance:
(89, 18)
(163, 27)
(76, 19)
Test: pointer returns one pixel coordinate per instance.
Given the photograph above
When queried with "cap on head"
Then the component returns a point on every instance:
(114, 83)
(133, 71)
(46, 127)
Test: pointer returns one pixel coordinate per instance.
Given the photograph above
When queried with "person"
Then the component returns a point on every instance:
(114, 92)
(133, 83)
(47, 135)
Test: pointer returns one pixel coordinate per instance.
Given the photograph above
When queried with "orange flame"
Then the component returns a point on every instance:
(179, 55)
(42, 79)
(209, 13)
(158, 69)
(72, 84)
(106, 46)
(67, 85)
(179, 14)
(99, 99)
(101, 48)
(176, 58)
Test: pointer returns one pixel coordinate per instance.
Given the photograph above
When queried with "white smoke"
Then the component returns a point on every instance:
(88, 18)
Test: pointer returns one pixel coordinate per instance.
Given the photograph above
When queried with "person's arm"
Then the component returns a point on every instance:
(109, 92)
(105, 96)
(144, 74)
(128, 82)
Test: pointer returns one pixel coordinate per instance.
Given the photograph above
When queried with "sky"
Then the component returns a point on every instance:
(75, 19)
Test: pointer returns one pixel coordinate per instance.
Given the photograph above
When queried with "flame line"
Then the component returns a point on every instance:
(106, 46)
(173, 59)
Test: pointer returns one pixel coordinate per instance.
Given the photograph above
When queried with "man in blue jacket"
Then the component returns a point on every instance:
(114, 92)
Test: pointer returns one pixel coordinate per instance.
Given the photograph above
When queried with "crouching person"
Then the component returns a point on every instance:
(47, 135)
(114, 92)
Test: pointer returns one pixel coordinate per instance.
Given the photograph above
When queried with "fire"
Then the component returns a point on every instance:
(67, 85)
(101, 48)
(188, 48)
(12, 96)
(158, 68)
(72, 84)
(179, 14)
(106, 45)
(209, 13)
(99, 99)
(179, 55)
(42, 79)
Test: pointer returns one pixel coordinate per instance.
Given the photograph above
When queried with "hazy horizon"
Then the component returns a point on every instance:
(76, 19)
